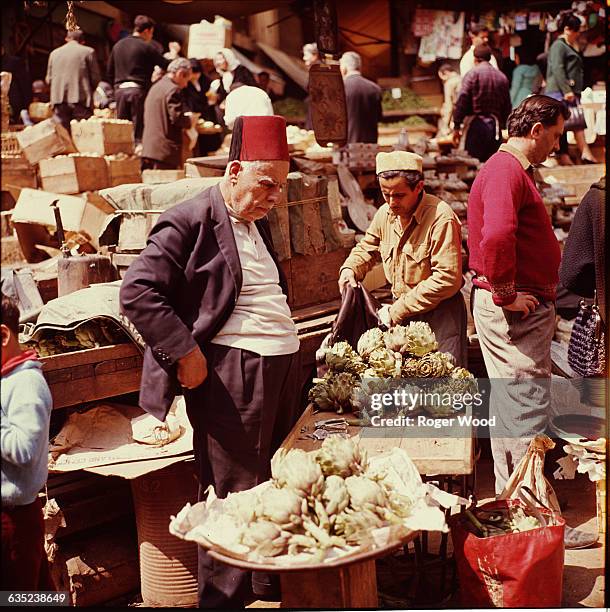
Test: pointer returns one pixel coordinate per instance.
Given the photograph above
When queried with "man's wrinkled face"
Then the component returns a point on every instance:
(309, 58)
(399, 195)
(546, 140)
(257, 188)
(182, 78)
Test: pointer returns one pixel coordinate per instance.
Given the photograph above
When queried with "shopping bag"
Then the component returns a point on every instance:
(576, 120)
(514, 570)
(357, 314)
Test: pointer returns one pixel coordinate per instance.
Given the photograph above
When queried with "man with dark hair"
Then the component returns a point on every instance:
(479, 35)
(515, 255)
(130, 68)
(209, 298)
(73, 75)
(482, 107)
(164, 118)
(362, 98)
(417, 238)
(24, 433)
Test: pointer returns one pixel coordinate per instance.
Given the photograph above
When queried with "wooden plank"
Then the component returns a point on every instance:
(73, 392)
(311, 312)
(349, 586)
(73, 174)
(454, 456)
(94, 355)
(44, 140)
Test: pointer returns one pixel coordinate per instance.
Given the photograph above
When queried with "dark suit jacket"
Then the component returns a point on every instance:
(73, 74)
(20, 92)
(163, 122)
(363, 100)
(182, 289)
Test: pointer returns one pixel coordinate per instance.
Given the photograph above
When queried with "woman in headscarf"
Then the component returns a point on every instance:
(230, 71)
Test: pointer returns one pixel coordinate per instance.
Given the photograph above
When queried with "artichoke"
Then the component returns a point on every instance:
(319, 397)
(396, 338)
(409, 367)
(384, 363)
(364, 493)
(282, 507)
(340, 389)
(352, 524)
(341, 357)
(297, 470)
(243, 506)
(341, 457)
(265, 538)
(522, 522)
(369, 341)
(434, 365)
(421, 339)
(335, 495)
(461, 373)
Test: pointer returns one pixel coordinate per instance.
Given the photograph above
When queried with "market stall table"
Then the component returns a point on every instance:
(448, 461)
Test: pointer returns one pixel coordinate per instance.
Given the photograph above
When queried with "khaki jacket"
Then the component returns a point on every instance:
(423, 263)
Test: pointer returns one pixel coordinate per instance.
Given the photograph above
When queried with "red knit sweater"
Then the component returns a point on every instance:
(510, 238)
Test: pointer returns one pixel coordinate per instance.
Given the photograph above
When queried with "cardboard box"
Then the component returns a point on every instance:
(206, 38)
(103, 136)
(123, 170)
(162, 176)
(85, 214)
(44, 140)
(73, 174)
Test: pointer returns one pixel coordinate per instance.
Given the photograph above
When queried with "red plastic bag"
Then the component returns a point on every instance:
(516, 570)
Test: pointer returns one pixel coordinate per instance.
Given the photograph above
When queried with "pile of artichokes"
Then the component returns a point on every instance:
(316, 501)
(403, 351)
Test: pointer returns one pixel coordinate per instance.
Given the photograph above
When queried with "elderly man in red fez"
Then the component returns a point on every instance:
(209, 299)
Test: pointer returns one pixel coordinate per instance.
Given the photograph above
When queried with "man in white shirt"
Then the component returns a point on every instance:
(210, 300)
(479, 35)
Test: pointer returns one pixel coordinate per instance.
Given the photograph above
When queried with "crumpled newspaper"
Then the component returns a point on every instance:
(147, 429)
(584, 457)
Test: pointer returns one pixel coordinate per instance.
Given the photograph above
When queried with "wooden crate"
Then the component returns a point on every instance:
(86, 376)
(312, 279)
(103, 136)
(155, 177)
(73, 174)
(17, 172)
(122, 171)
(44, 140)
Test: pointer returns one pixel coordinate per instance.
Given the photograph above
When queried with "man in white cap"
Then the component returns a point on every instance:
(417, 238)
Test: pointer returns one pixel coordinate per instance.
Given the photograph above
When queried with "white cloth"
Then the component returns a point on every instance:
(260, 321)
(232, 63)
(247, 101)
(467, 61)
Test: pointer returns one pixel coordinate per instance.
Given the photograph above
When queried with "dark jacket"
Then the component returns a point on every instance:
(164, 121)
(182, 289)
(363, 100)
(73, 74)
(196, 101)
(583, 265)
(134, 59)
(565, 70)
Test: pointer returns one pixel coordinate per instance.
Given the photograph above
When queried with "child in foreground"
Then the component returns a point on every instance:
(24, 440)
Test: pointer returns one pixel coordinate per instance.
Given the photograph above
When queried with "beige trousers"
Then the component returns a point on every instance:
(517, 355)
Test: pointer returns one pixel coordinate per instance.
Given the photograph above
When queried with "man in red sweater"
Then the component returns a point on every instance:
(515, 255)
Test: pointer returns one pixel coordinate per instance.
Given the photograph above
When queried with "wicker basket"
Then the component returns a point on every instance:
(10, 145)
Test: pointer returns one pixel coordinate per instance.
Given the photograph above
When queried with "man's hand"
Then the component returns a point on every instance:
(457, 136)
(347, 277)
(569, 97)
(192, 369)
(524, 302)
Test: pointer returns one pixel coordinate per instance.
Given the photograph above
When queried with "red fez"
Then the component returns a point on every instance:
(259, 139)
